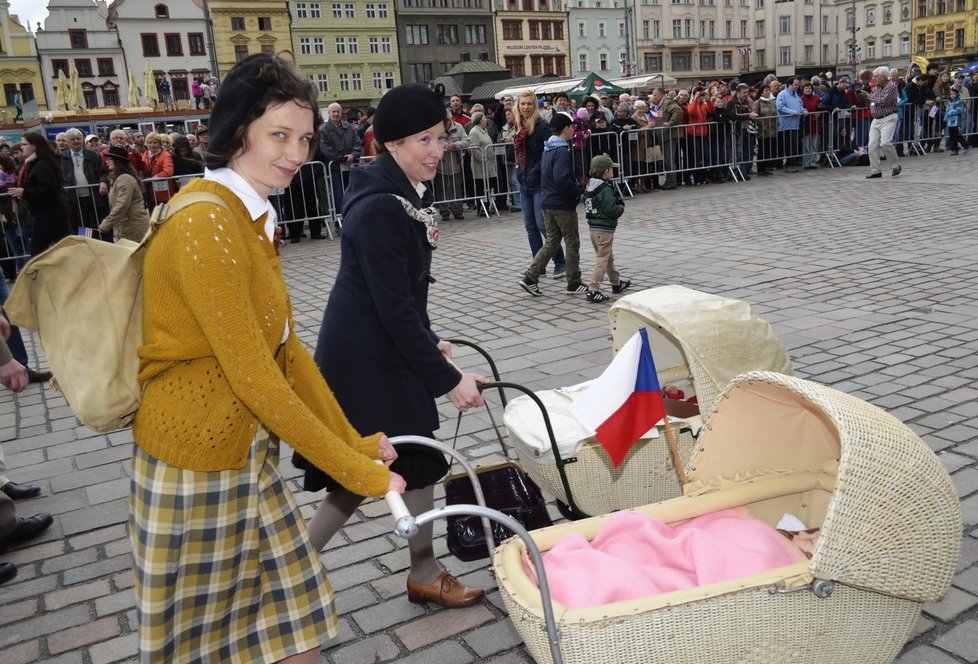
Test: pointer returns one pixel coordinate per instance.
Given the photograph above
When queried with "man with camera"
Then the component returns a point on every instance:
(883, 107)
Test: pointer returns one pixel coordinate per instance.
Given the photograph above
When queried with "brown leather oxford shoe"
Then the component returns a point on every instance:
(445, 590)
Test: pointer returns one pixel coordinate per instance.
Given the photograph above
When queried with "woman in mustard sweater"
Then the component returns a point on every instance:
(223, 567)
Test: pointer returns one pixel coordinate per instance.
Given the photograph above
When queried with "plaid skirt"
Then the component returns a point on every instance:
(223, 567)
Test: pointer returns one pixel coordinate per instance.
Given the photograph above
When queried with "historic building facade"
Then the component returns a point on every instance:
(75, 35)
(20, 72)
(244, 27)
(348, 49)
(600, 38)
(435, 35)
(532, 37)
(945, 31)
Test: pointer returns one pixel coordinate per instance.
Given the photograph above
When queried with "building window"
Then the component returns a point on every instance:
(447, 34)
(536, 65)
(195, 41)
(761, 57)
(305, 46)
(760, 4)
(91, 100)
(682, 61)
(341, 46)
(240, 52)
(809, 25)
(759, 29)
(871, 16)
(356, 81)
(603, 61)
(688, 28)
(174, 46)
(106, 66)
(58, 65)
(959, 38)
(237, 23)
(84, 67)
(921, 8)
(9, 90)
(415, 35)
(870, 50)
(728, 29)
(265, 23)
(353, 45)
(581, 30)
(151, 45)
(677, 28)
(941, 7)
(708, 60)
(337, 10)
(560, 66)
(78, 38)
(319, 45)
(602, 29)
(373, 45)
(653, 62)
(582, 62)
(784, 25)
(726, 60)
(161, 11)
(345, 82)
(809, 54)
(938, 42)
(385, 44)
(656, 29)
(905, 45)
(621, 29)
(825, 53)
(268, 49)
(534, 29)
(322, 82)
(349, 10)
(314, 10)
(370, 11)
(825, 24)
(475, 34)
(111, 96)
(743, 29)
(382, 13)
(378, 80)
(784, 55)
(513, 30)
(887, 48)
(514, 63)
(301, 11)
(421, 72)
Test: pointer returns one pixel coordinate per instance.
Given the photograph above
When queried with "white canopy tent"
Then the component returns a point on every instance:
(646, 80)
(566, 84)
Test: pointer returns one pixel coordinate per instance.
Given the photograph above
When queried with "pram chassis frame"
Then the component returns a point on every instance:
(406, 526)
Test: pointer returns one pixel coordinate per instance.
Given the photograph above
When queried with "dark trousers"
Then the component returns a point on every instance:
(47, 231)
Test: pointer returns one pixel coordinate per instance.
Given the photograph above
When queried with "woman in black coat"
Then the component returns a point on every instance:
(376, 347)
(39, 185)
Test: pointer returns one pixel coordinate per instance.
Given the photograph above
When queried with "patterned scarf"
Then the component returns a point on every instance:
(519, 142)
(427, 216)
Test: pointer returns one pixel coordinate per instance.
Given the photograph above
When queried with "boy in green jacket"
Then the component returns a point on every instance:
(602, 206)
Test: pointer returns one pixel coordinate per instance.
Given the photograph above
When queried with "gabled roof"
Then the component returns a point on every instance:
(489, 90)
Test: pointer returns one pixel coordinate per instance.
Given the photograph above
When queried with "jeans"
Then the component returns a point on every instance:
(514, 185)
(809, 149)
(561, 225)
(536, 229)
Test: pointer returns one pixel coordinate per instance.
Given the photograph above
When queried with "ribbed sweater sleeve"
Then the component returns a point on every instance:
(215, 286)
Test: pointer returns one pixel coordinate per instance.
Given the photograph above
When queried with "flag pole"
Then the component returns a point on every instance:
(674, 449)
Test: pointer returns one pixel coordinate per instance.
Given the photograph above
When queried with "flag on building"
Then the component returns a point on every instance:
(625, 401)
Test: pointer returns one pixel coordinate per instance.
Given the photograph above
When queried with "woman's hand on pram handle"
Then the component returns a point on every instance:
(388, 454)
(445, 348)
(396, 484)
(466, 394)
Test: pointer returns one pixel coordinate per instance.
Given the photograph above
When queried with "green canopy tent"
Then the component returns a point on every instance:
(594, 86)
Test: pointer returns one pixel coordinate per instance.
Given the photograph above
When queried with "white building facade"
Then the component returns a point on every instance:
(171, 35)
(880, 31)
(797, 37)
(75, 34)
(599, 38)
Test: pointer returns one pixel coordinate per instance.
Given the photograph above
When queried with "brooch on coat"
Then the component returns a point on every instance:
(427, 216)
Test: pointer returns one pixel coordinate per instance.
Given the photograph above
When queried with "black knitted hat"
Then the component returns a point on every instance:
(405, 110)
(242, 87)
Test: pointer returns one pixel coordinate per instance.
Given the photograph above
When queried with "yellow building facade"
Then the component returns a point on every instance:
(347, 49)
(244, 27)
(20, 71)
(945, 32)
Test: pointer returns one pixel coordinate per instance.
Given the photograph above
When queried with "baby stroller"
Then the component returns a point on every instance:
(700, 342)
(889, 541)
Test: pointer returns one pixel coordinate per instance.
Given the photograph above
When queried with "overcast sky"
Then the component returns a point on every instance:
(29, 11)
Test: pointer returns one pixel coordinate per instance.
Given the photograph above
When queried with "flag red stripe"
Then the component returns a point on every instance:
(620, 431)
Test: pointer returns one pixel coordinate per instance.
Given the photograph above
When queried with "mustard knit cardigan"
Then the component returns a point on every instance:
(215, 305)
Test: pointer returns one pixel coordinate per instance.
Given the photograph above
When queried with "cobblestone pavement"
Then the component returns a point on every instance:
(870, 284)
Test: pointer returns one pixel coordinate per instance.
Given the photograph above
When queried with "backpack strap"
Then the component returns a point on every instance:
(164, 211)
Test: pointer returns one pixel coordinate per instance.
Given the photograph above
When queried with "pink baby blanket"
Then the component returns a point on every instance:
(637, 556)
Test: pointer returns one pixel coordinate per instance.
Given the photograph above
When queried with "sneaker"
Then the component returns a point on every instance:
(559, 272)
(596, 296)
(576, 288)
(623, 285)
(529, 287)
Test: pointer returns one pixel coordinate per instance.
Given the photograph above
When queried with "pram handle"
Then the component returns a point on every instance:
(406, 526)
(492, 365)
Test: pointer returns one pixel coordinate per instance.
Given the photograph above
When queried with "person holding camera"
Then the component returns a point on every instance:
(883, 107)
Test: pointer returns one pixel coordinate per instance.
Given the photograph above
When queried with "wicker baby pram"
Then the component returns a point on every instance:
(700, 342)
(890, 538)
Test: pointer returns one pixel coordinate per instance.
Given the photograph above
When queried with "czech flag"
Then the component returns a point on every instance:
(625, 401)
